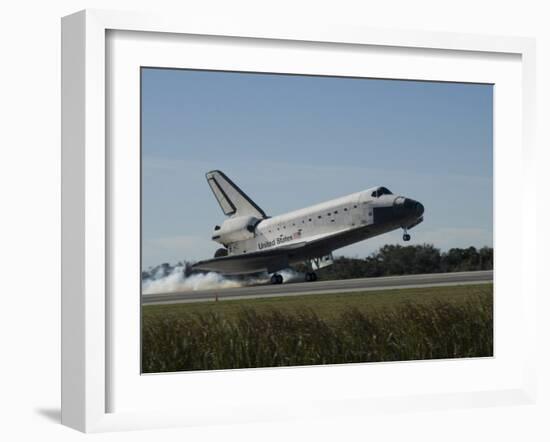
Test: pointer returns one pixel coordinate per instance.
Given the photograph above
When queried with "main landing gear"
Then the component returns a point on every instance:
(276, 278)
(311, 276)
(406, 236)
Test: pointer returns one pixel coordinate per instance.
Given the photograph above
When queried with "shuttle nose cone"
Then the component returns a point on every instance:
(418, 208)
(408, 207)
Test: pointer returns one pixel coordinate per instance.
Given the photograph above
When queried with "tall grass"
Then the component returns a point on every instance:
(206, 341)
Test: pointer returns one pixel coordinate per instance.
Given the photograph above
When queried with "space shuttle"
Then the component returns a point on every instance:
(253, 242)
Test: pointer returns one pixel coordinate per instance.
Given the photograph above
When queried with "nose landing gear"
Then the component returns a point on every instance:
(276, 279)
(406, 236)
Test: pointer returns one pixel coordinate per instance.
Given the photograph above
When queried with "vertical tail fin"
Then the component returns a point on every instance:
(232, 200)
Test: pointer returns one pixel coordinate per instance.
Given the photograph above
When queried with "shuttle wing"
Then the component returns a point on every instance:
(275, 259)
(265, 260)
(232, 200)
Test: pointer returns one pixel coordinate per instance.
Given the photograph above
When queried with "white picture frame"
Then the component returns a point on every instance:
(87, 356)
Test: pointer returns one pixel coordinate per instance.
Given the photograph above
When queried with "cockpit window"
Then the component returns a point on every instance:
(381, 191)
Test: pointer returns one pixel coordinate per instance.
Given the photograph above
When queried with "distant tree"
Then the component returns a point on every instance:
(402, 260)
(427, 259)
(486, 258)
(399, 260)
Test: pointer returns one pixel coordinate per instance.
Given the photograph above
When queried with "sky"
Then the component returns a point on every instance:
(291, 141)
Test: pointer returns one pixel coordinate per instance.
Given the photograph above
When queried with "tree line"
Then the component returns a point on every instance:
(389, 260)
(392, 260)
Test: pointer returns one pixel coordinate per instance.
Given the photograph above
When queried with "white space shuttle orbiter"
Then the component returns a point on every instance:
(254, 242)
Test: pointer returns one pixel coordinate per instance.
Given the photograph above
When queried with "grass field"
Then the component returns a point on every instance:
(388, 325)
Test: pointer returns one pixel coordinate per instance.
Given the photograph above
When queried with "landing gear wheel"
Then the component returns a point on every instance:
(311, 276)
(276, 279)
(406, 237)
(279, 279)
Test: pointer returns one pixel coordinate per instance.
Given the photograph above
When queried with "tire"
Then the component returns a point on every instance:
(406, 237)
(274, 279)
(279, 279)
(311, 276)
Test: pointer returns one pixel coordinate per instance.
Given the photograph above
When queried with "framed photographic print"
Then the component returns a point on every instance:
(347, 280)
(250, 213)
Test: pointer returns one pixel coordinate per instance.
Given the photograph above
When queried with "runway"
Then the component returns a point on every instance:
(322, 287)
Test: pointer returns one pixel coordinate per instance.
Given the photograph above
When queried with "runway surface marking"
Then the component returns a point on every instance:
(323, 287)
